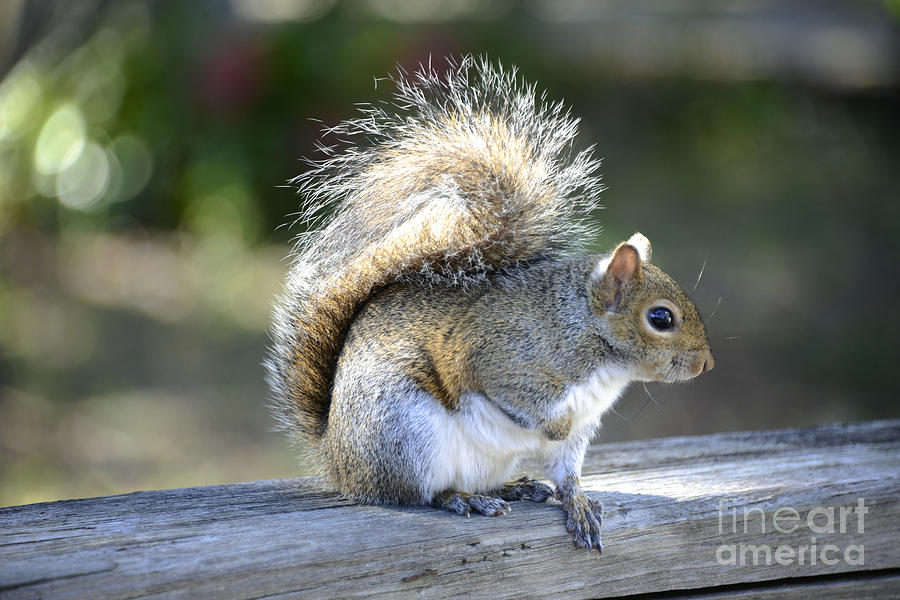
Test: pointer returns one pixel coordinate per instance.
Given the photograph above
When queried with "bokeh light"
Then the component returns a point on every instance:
(20, 96)
(275, 11)
(61, 141)
(81, 184)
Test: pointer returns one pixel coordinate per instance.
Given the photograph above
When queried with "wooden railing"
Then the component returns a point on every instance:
(791, 514)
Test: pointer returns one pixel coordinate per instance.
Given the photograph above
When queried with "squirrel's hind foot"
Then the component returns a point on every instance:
(526, 489)
(464, 504)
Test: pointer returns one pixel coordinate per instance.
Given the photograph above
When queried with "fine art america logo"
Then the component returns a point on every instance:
(785, 521)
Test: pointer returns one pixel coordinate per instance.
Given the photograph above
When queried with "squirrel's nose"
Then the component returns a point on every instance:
(701, 362)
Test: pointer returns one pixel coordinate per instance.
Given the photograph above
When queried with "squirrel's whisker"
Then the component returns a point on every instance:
(700, 276)
(640, 410)
(644, 384)
(713, 313)
(613, 410)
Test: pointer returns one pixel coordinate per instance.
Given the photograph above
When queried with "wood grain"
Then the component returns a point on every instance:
(662, 526)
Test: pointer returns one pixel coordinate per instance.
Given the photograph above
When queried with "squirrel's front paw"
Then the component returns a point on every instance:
(584, 519)
(526, 489)
(464, 504)
(559, 428)
(584, 516)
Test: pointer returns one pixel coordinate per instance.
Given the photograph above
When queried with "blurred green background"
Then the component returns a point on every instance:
(145, 147)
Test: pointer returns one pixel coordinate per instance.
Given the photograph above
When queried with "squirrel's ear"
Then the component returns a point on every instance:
(614, 274)
(642, 245)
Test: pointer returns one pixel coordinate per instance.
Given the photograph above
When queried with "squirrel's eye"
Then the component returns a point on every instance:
(661, 318)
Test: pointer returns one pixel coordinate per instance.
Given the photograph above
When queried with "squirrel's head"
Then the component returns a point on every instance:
(646, 316)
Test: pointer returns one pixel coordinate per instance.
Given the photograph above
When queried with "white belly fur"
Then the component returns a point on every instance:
(477, 448)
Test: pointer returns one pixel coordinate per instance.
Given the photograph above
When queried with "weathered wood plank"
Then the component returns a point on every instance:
(663, 528)
(875, 586)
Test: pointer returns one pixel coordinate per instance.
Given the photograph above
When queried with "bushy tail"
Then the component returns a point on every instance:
(468, 173)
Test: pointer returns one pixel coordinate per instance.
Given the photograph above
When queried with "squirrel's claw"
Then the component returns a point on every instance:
(526, 489)
(583, 515)
(584, 523)
(464, 504)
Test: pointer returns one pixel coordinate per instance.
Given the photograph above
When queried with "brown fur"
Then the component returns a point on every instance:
(486, 228)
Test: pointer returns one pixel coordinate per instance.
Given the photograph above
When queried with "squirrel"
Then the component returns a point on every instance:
(443, 324)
